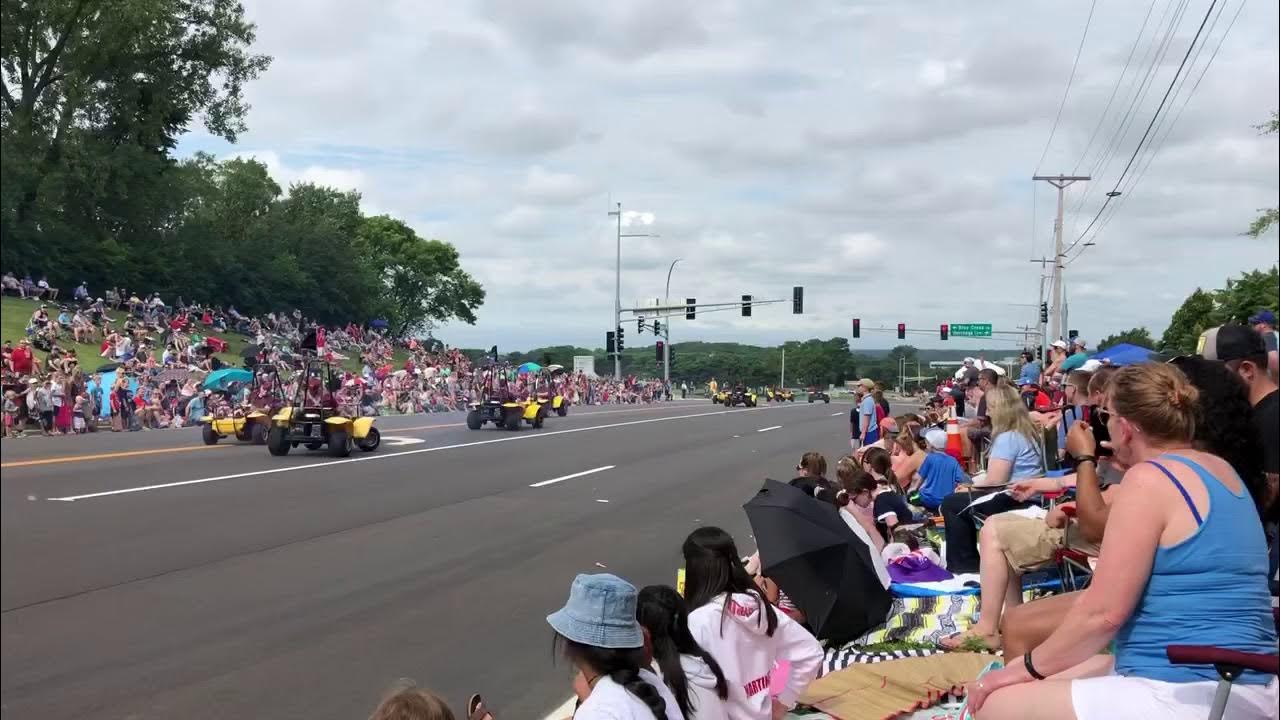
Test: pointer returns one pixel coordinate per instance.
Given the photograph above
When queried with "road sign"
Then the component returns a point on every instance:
(973, 330)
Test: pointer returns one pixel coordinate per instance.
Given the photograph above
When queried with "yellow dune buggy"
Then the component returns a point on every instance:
(507, 414)
(251, 424)
(320, 425)
(720, 397)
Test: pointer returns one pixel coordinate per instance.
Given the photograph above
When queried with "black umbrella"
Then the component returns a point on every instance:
(815, 557)
(107, 367)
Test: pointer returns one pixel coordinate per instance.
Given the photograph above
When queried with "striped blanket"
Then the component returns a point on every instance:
(924, 620)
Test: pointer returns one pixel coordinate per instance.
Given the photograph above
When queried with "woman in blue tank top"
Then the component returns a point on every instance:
(1184, 561)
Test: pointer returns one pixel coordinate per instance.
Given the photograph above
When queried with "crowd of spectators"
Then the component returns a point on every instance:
(152, 357)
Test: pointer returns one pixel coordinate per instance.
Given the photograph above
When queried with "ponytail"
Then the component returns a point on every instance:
(621, 665)
(662, 612)
(629, 678)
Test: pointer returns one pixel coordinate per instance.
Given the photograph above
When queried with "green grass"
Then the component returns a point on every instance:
(16, 312)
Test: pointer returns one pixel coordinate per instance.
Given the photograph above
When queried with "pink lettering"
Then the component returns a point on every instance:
(760, 684)
(739, 609)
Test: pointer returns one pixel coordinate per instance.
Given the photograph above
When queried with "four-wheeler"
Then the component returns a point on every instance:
(507, 414)
(739, 396)
(780, 395)
(815, 395)
(251, 422)
(555, 403)
(314, 420)
(720, 397)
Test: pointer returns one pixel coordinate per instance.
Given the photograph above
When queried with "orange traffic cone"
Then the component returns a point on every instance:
(955, 445)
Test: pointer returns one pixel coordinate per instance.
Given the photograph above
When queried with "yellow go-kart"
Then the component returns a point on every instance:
(555, 403)
(720, 397)
(745, 398)
(781, 395)
(321, 425)
(252, 427)
(507, 414)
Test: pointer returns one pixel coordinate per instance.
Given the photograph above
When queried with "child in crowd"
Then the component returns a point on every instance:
(692, 675)
(10, 413)
(409, 702)
(78, 424)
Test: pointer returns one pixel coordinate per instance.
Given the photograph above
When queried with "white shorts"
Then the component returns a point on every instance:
(1114, 697)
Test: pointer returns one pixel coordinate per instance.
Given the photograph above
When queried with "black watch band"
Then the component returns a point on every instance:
(1087, 458)
(1031, 669)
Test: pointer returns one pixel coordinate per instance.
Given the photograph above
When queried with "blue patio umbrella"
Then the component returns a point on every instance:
(529, 367)
(220, 379)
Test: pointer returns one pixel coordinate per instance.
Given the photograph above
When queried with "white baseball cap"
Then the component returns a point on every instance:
(1059, 344)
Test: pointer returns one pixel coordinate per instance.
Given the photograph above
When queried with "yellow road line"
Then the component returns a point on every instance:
(107, 456)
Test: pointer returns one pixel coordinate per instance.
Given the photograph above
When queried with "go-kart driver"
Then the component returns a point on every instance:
(316, 395)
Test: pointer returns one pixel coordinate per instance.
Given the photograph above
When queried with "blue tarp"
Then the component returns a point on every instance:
(220, 379)
(103, 392)
(1124, 354)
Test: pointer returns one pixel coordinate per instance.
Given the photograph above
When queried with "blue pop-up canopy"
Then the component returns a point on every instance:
(1124, 354)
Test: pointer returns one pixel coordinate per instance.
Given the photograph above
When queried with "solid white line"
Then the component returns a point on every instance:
(553, 481)
(836, 414)
(771, 427)
(371, 458)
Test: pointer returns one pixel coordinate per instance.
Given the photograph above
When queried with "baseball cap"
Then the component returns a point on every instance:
(1079, 341)
(1263, 316)
(1230, 342)
(867, 383)
(1059, 344)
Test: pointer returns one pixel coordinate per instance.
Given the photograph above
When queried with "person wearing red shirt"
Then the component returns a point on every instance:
(24, 361)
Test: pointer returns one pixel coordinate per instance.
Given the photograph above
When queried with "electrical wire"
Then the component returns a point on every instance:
(1071, 78)
(1107, 108)
(1154, 117)
(1153, 59)
(1168, 130)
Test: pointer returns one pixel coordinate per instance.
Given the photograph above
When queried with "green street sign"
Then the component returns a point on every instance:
(973, 330)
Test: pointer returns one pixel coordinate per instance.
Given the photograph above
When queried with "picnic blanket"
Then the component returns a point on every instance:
(922, 620)
(894, 688)
(842, 657)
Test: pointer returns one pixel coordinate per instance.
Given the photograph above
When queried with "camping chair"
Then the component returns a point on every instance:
(1230, 665)
(1074, 566)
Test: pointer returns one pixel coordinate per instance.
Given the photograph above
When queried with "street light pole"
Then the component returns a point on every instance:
(666, 328)
(1061, 182)
(617, 292)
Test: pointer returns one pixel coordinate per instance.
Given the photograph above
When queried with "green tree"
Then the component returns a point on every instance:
(422, 281)
(1267, 216)
(1188, 321)
(93, 96)
(1243, 297)
(1139, 336)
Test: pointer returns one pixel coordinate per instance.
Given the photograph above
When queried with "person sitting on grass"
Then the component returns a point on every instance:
(1183, 561)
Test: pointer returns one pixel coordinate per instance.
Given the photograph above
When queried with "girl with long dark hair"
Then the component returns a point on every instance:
(734, 622)
(692, 675)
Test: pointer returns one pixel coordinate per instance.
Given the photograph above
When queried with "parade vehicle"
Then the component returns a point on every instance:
(314, 420)
(739, 396)
(507, 414)
(251, 422)
(815, 395)
(554, 402)
(720, 397)
(780, 395)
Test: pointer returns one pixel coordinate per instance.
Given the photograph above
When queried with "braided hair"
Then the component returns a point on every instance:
(621, 665)
(662, 612)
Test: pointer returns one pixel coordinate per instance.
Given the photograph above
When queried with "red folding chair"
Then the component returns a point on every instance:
(1230, 665)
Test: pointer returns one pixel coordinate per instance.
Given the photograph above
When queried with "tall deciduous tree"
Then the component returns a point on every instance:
(1267, 217)
(1243, 296)
(1189, 320)
(1139, 336)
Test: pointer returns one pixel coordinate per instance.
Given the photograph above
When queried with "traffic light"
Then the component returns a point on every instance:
(942, 331)
(608, 343)
(671, 357)
(1044, 312)
(690, 308)
(1073, 334)
(797, 300)
(857, 327)
(619, 340)
(1040, 352)
(639, 326)
(657, 327)
(746, 306)
(659, 347)
(902, 331)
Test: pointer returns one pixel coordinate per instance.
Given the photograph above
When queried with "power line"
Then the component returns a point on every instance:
(1153, 58)
(1071, 78)
(1101, 118)
(1157, 146)
(1155, 116)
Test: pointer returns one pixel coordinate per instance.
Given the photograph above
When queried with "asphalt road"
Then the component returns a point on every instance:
(148, 576)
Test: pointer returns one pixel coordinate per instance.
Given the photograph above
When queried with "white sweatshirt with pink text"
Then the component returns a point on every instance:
(735, 633)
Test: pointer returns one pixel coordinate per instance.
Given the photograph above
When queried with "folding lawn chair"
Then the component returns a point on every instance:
(1230, 665)
(1074, 566)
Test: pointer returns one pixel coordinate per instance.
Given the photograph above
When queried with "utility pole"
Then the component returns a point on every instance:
(782, 378)
(1061, 182)
(666, 329)
(617, 292)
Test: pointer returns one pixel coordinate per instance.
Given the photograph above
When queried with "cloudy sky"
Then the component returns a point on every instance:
(877, 153)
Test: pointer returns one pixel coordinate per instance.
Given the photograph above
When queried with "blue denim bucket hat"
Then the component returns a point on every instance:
(601, 612)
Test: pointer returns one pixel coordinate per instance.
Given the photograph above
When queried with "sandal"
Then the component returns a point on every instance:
(970, 641)
(476, 709)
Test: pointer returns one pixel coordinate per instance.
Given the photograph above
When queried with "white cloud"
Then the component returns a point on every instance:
(862, 150)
